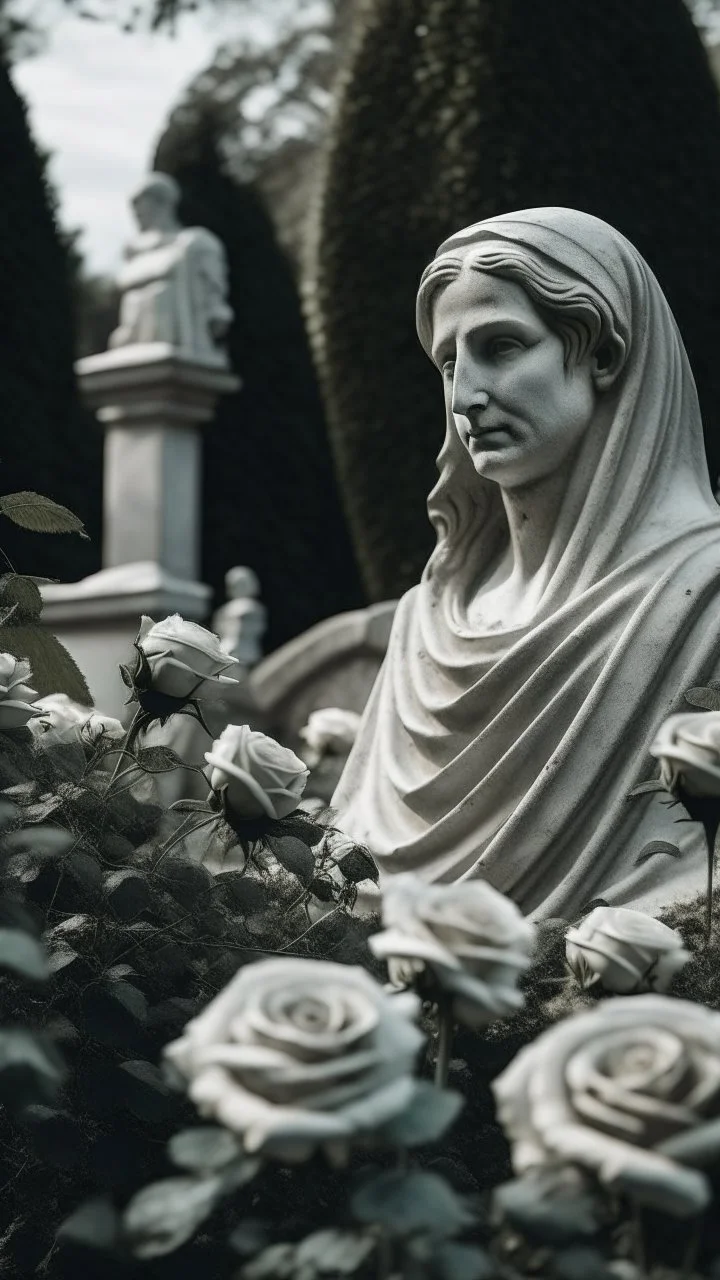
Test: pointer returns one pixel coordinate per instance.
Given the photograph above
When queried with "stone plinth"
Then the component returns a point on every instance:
(151, 400)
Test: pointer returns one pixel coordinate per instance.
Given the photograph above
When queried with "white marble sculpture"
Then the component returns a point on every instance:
(173, 281)
(573, 596)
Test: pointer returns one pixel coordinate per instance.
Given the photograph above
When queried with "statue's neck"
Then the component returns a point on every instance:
(145, 241)
(532, 512)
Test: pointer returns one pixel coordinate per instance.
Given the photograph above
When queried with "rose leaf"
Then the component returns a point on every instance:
(23, 954)
(203, 1149)
(411, 1204)
(30, 1069)
(158, 760)
(322, 889)
(94, 1225)
(706, 697)
(358, 866)
(334, 1252)
(426, 1119)
(657, 846)
(42, 842)
(462, 1262)
(40, 514)
(293, 855)
(534, 1207)
(164, 1215)
(644, 788)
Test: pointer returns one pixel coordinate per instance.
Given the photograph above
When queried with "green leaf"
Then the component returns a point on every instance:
(431, 1112)
(334, 1252)
(23, 594)
(164, 1215)
(410, 1204)
(705, 697)
(462, 1262)
(358, 866)
(203, 1149)
(323, 889)
(30, 1069)
(39, 514)
(644, 788)
(159, 760)
(8, 814)
(294, 856)
(41, 842)
(23, 954)
(191, 806)
(657, 846)
(94, 1225)
(550, 1207)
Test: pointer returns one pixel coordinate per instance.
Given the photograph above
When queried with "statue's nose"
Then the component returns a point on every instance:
(473, 401)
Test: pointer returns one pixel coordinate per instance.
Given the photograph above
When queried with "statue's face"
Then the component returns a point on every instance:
(151, 210)
(519, 411)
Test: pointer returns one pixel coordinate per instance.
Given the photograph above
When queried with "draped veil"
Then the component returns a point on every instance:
(510, 754)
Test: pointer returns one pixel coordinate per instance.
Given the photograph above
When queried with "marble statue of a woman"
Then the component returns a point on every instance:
(174, 280)
(573, 595)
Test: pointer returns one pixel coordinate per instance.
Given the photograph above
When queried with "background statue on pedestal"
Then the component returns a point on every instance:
(173, 281)
(573, 596)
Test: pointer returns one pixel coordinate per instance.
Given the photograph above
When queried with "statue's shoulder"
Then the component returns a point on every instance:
(199, 238)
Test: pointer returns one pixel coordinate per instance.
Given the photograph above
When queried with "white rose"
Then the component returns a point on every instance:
(688, 748)
(473, 942)
(330, 731)
(185, 660)
(298, 1054)
(17, 698)
(625, 951)
(262, 778)
(67, 721)
(629, 1092)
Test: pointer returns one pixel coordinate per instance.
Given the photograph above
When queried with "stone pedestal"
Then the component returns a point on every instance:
(151, 400)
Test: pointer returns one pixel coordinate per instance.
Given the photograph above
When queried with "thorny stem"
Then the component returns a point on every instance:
(445, 1034)
(129, 742)
(710, 827)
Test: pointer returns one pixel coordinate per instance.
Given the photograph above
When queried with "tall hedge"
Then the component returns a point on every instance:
(270, 497)
(48, 442)
(456, 110)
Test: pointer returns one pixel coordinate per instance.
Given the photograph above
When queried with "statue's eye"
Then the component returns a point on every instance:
(504, 346)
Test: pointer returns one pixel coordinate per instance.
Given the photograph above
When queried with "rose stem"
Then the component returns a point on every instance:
(687, 1268)
(445, 1035)
(710, 827)
(385, 1256)
(128, 744)
(639, 1239)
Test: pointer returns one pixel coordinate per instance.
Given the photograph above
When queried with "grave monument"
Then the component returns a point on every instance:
(573, 596)
(152, 390)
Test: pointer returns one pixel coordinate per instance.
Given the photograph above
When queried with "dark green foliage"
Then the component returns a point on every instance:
(49, 443)
(53, 668)
(456, 110)
(269, 491)
(137, 941)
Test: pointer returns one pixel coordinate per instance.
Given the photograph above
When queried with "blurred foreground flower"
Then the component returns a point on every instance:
(65, 720)
(624, 951)
(688, 748)
(17, 698)
(629, 1092)
(257, 776)
(330, 731)
(296, 1055)
(468, 941)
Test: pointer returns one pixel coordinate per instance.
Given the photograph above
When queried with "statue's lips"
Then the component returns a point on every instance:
(480, 432)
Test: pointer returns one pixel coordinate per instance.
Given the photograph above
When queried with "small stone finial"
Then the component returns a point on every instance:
(242, 622)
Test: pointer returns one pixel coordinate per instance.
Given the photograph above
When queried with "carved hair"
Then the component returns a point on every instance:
(461, 504)
(159, 185)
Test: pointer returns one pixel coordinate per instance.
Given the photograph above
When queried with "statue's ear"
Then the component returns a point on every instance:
(607, 362)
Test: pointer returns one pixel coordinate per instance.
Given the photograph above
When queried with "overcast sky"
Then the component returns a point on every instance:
(98, 99)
